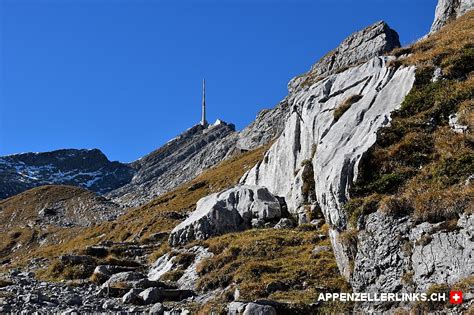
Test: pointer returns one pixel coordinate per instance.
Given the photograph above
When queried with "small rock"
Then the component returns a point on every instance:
(157, 309)
(97, 251)
(151, 295)
(317, 222)
(132, 297)
(108, 305)
(284, 223)
(319, 249)
(257, 223)
(74, 300)
(103, 272)
(437, 75)
(275, 286)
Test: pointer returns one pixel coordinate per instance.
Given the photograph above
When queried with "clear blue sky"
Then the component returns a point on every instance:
(125, 76)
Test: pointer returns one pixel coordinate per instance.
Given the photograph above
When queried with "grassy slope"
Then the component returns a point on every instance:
(137, 224)
(255, 258)
(419, 165)
(33, 200)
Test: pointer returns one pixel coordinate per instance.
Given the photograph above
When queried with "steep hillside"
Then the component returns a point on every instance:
(83, 168)
(178, 161)
(413, 194)
(64, 206)
(417, 178)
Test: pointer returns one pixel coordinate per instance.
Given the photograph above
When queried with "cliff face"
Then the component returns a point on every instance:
(178, 161)
(372, 41)
(448, 10)
(84, 168)
(334, 145)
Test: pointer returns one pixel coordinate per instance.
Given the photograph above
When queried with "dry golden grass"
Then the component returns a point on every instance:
(447, 42)
(254, 258)
(419, 165)
(345, 105)
(22, 209)
(137, 224)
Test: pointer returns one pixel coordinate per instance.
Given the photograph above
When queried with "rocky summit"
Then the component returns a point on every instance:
(178, 161)
(359, 180)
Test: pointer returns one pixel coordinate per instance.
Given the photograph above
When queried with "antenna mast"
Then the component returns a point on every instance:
(203, 114)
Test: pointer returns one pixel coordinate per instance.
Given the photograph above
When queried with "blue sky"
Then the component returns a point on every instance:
(125, 76)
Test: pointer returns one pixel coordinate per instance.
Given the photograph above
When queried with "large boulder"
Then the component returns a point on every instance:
(227, 211)
(447, 10)
(123, 280)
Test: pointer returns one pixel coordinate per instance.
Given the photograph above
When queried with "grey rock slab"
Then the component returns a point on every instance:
(335, 148)
(360, 46)
(126, 279)
(227, 211)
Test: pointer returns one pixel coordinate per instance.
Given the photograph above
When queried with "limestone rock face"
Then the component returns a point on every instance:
(446, 256)
(267, 126)
(83, 168)
(361, 46)
(178, 161)
(380, 262)
(333, 147)
(447, 10)
(395, 255)
(228, 211)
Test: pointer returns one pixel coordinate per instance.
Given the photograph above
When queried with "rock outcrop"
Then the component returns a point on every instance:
(266, 127)
(189, 277)
(228, 211)
(333, 122)
(84, 168)
(361, 46)
(374, 40)
(178, 161)
(395, 255)
(447, 10)
(333, 147)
